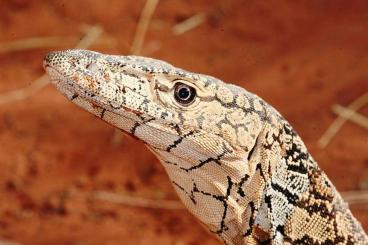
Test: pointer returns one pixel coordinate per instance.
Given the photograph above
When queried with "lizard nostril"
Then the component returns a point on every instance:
(93, 67)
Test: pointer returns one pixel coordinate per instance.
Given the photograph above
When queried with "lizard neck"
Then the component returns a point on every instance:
(224, 192)
(297, 194)
(232, 193)
(264, 196)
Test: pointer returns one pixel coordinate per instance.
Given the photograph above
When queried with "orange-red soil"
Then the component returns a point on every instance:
(301, 56)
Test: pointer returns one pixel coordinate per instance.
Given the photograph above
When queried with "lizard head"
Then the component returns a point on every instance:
(195, 124)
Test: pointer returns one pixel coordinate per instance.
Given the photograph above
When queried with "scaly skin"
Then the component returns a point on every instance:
(234, 161)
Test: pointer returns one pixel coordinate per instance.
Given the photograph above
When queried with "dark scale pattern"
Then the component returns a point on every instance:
(227, 146)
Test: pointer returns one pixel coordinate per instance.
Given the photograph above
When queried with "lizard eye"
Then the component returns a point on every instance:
(184, 94)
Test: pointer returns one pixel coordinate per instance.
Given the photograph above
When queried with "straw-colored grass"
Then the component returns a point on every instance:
(344, 115)
(21, 94)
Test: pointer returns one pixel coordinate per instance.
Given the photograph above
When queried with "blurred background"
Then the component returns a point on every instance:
(307, 58)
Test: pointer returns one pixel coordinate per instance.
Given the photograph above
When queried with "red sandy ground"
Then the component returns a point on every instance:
(301, 57)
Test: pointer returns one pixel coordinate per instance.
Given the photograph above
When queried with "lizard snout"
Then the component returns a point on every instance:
(49, 58)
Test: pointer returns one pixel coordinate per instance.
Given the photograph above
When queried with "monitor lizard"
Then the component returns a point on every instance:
(235, 162)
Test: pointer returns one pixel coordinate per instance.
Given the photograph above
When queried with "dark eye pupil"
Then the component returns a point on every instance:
(184, 94)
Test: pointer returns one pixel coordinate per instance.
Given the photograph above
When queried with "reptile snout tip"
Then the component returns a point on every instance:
(48, 59)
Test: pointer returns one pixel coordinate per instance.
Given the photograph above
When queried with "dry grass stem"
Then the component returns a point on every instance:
(355, 197)
(34, 43)
(141, 30)
(189, 24)
(92, 34)
(351, 115)
(6, 242)
(20, 94)
(47, 42)
(116, 138)
(137, 201)
(23, 93)
(339, 122)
